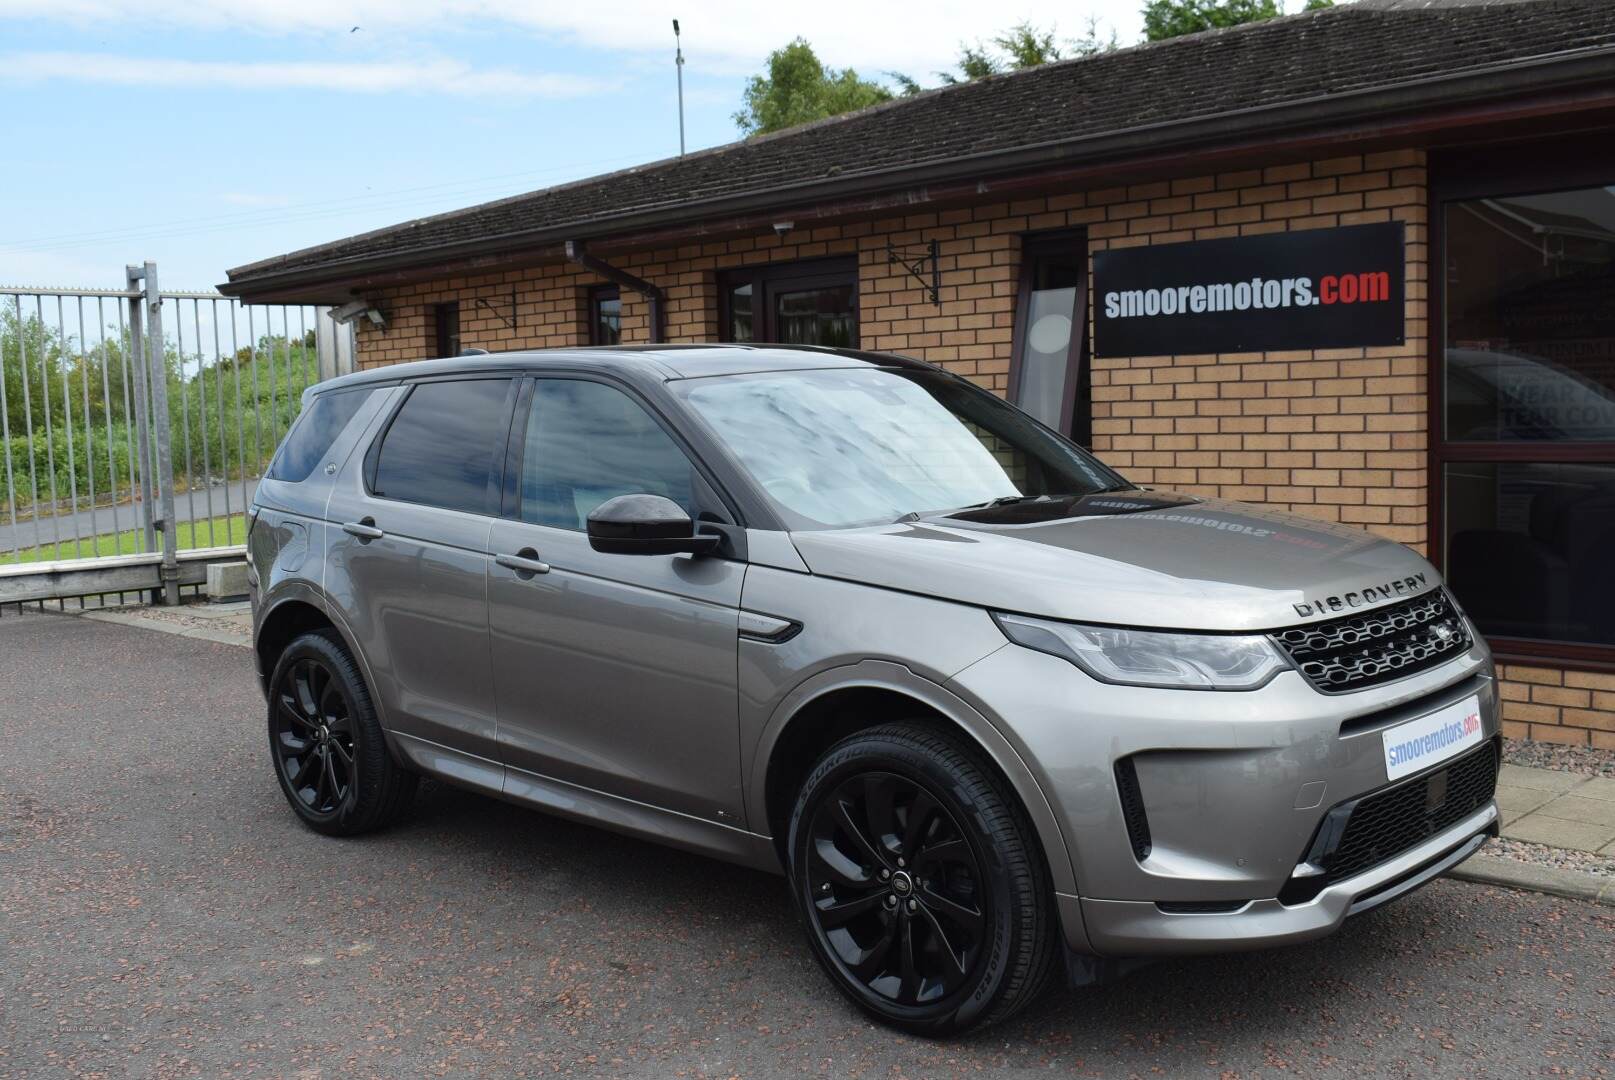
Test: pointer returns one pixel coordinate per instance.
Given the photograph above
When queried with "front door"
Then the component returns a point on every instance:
(612, 672)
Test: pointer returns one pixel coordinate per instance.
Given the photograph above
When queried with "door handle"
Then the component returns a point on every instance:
(365, 530)
(525, 562)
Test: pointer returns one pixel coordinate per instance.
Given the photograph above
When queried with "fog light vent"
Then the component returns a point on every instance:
(1138, 824)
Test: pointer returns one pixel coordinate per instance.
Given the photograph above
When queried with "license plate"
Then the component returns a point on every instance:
(1420, 743)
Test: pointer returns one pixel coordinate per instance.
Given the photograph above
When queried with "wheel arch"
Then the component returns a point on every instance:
(834, 704)
(297, 610)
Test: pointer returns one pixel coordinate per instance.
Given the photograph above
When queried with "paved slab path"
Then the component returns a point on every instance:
(162, 914)
(1563, 809)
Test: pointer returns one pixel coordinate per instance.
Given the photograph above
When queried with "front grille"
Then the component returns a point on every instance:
(1383, 825)
(1359, 651)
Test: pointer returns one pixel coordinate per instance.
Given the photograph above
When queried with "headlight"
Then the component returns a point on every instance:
(1151, 657)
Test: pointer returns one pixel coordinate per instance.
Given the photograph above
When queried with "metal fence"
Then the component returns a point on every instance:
(136, 422)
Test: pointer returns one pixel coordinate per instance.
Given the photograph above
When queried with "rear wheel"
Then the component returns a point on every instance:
(326, 741)
(920, 881)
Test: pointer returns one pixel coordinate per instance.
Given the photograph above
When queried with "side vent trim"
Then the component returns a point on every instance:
(1132, 799)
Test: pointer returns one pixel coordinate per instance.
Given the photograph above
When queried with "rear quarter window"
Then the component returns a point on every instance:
(314, 433)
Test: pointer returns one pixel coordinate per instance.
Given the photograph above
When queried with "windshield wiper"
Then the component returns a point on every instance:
(1002, 500)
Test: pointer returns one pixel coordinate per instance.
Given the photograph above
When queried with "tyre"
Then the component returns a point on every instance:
(326, 742)
(920, 881)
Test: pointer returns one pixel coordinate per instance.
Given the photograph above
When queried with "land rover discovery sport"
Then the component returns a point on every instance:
(994, 711)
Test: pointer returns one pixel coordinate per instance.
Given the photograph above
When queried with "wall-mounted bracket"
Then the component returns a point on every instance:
(511, 321)
(913, 258)
(654, 296)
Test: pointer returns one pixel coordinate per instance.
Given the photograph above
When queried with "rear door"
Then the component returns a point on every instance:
(613, 672)
(409, 566)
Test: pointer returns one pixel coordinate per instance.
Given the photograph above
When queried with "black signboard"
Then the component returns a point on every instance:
(1310, 289)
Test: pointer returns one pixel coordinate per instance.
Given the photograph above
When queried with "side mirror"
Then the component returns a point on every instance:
(645, 525)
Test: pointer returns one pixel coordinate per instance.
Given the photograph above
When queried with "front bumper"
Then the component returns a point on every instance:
(1141, 928)
(1234, 787)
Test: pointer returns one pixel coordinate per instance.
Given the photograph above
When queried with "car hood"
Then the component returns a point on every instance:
(1187, 563)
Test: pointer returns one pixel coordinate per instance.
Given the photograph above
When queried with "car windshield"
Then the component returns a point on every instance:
(852, 446)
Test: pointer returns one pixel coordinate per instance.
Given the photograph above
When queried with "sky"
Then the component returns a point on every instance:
(204, 134)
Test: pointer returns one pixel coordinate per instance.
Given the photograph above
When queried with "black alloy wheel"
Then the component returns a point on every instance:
(921, 881)
(326, 740)
(312, 734)
(897, 891)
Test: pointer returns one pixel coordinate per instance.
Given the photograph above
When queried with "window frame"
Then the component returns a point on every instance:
(496, 461)
(1077, 406)
(1532, 168)
(439, 344)
(510, 494)
(598, 293)
(769, 279)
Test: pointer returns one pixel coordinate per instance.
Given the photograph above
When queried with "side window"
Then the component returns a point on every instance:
(314, 433)
(588, 442)
(442, 446)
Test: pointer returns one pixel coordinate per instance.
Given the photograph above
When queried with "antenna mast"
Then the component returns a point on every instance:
(678, 62)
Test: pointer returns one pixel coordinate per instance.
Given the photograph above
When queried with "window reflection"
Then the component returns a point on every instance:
(605, 316)
(1528, 548)
(1530, 363)
(839, 447)
(740, 313)
(1531, 318)
(588, 442)
(815, 317)
(1048, 365)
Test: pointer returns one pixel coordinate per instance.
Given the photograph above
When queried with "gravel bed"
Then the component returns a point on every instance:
(1586, 862)
(1587, 760)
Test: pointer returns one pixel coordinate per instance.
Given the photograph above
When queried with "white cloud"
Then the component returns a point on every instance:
(435, 76)
(720, 36)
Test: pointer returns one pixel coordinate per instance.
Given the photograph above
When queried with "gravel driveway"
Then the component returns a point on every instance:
(162, 914)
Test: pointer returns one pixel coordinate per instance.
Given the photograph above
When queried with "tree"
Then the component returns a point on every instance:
(1024, 46)
(799, 89)
(1171, 18)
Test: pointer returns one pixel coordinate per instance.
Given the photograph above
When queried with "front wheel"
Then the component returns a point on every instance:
(920, 880)
(326, 741)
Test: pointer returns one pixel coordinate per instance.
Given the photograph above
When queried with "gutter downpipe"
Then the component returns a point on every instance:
(578, 253)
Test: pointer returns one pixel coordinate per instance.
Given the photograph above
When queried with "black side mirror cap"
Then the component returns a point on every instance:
(646, 525)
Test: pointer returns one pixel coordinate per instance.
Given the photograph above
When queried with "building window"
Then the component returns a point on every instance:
(1047, 375)
(1524, 452)
(446, 328)
(802, 303)
(605, 315)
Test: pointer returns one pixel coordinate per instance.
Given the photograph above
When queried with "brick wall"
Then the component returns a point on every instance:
(1558, 706)
(1338, 434)
(550, 309)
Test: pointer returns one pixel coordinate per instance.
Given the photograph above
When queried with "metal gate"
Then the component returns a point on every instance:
(134, 425)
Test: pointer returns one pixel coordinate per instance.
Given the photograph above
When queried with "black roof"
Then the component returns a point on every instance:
(1367, 58)
(658, 362)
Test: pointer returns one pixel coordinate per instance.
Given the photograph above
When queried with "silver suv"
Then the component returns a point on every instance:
(993, 710)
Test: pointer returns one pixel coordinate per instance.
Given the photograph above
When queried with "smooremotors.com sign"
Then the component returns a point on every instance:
(1310, 289)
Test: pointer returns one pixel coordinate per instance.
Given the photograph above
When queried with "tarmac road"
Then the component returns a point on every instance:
(163, 914)
(84, 524)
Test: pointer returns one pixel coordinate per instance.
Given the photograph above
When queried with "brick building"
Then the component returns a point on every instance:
(1032, 231)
